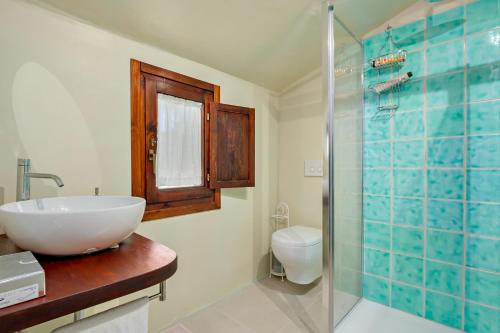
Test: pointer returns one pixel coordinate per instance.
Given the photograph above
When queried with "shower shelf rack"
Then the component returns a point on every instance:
(281, 216)
(395, 59)
(392, 59)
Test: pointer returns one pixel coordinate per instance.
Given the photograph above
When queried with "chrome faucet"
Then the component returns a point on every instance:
(24, 176)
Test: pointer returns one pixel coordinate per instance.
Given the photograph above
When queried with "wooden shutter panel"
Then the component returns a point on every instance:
(232, 146)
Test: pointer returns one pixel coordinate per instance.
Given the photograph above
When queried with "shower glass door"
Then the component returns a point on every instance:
(347, 137)
(344, 95)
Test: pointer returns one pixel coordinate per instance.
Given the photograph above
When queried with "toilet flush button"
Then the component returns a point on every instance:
(313, 168)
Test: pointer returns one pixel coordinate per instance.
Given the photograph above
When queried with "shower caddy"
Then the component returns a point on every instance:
(281, 216)
(395, 59)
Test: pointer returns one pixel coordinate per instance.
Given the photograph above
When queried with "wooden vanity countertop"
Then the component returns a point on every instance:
(79, 282)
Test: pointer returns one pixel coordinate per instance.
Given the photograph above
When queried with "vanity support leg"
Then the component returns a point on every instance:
(78, 315)
(162, 294)
(163, 290)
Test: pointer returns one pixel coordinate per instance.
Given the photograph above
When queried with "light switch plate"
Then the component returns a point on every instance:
(313, 168)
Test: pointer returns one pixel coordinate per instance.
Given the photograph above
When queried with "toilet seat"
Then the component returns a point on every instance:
(297, 236)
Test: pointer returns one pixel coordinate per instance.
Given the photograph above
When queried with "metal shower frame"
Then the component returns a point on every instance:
(329, 18)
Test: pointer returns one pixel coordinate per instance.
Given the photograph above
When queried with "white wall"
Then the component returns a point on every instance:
(301, 137)
(65, 103)
(301, 131)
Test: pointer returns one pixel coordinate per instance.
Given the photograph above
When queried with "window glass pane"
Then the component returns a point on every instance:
(178, 155)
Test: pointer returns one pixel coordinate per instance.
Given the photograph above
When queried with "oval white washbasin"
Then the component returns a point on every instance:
(71, 225)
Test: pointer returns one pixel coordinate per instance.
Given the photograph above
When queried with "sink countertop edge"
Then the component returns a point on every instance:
(74, 283)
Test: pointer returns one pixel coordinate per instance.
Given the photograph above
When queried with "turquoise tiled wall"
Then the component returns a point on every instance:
(432, 173)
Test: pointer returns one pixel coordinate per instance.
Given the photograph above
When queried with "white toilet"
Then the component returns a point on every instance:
(299, 249)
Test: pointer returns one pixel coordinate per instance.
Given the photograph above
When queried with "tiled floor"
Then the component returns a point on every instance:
(269, 306)
(272, 306)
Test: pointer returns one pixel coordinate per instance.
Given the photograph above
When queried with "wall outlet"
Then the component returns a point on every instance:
(313, 168)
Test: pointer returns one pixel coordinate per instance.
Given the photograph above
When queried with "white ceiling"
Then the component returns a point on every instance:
(272, 43)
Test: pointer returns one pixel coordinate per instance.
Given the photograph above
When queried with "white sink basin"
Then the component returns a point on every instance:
(71, 225)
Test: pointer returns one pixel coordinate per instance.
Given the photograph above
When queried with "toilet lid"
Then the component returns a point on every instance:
(297, 236)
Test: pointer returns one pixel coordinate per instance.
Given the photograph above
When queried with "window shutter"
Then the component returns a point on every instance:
(232, 146)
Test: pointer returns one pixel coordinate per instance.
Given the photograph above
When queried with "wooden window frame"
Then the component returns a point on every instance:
(141, 169)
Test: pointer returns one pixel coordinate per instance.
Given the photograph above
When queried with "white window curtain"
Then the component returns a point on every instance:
(178, 154)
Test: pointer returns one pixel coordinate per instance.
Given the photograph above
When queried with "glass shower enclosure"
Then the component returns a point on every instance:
(418, 99)
(342, 195)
